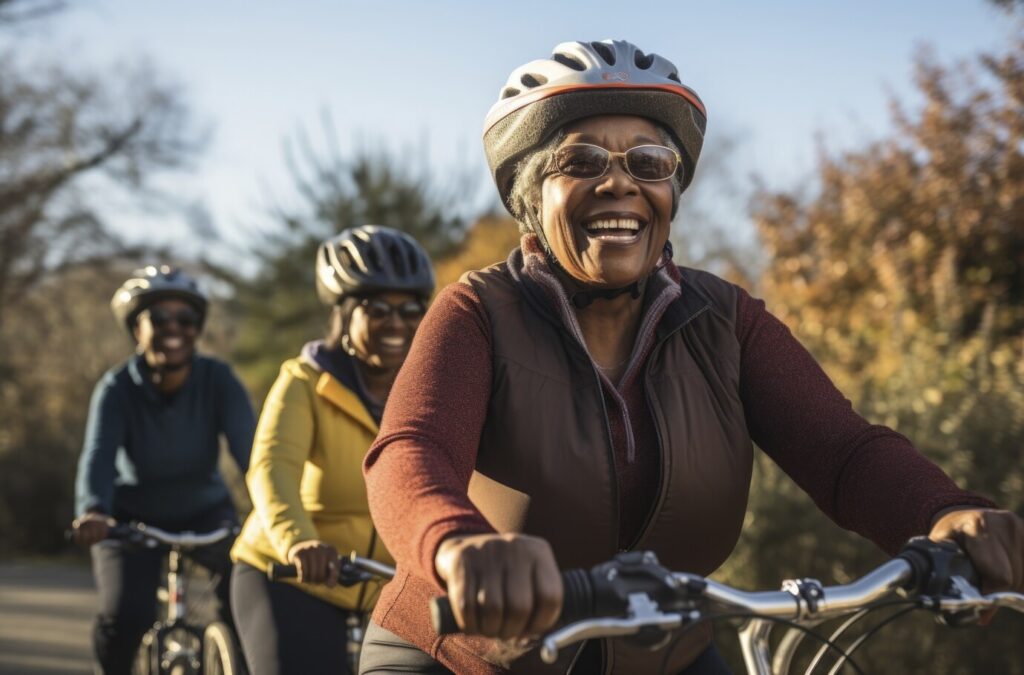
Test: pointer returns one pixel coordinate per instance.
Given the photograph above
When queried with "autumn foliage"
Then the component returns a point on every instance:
(904, 274)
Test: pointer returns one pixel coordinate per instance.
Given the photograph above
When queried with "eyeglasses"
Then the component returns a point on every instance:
(185, 318)
(648, 163)
(378, 310)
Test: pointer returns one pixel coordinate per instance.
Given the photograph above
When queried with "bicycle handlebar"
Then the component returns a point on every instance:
(352, 570)
(633, 592)
(151, 537)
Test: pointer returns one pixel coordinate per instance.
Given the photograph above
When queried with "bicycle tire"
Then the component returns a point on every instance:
(144, 657)
(221, 655)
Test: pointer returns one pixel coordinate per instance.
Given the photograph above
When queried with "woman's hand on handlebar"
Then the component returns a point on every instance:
(993, 540)
(315, 561)
(91, 528)
(501, 585)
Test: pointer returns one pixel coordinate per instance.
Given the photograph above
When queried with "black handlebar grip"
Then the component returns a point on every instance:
(441, 616)
(277, 571)
(577, 603)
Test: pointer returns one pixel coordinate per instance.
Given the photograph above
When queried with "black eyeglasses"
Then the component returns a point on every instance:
(647, 163)
(185, 318)
(378, 310)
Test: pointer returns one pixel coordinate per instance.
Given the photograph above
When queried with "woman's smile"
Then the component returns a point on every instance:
(615, 228)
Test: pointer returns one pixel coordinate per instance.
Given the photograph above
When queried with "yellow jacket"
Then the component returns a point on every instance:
(305, 478)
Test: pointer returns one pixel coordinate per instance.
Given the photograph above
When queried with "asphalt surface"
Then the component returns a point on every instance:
(45, 614)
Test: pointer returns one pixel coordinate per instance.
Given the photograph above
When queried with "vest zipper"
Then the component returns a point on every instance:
(616, 521)
(651, 398)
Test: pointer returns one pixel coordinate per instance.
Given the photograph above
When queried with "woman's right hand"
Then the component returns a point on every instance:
(91, 528)
(501, 585)
(316, 562)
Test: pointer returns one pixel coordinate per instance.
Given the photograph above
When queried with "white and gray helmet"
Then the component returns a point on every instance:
(583, 79)
(371, 259)
(151, 284)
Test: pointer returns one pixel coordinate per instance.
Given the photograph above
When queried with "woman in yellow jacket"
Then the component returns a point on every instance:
(305, 478)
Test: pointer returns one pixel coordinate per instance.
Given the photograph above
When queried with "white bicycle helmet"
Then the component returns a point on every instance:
(583, 79)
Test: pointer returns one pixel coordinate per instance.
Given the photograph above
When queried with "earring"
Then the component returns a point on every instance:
(346, 344)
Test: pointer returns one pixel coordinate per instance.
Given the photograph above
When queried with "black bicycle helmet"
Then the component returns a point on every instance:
(583, 79)
(371, 259)
(151, 284)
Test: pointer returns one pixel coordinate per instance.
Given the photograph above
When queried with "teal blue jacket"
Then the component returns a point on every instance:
(152, 457)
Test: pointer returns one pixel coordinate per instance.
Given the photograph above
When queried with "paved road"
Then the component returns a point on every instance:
(45, 614)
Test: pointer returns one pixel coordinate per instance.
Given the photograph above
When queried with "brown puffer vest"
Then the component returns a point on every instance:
(546, 466)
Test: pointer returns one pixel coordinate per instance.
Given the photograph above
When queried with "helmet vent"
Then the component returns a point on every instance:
(605, 51)
(509, 92)
(348, 260)
(674, 76)
(373, 259)
(530, 81)
(642, 61)
(568, 61)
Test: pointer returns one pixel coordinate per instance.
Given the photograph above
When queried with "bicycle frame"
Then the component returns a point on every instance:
(159, 636)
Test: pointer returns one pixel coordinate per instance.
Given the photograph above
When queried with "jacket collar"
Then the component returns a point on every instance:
(330, 388)
(139, 373)
(691, 303)
(345, 400)
(686, 306)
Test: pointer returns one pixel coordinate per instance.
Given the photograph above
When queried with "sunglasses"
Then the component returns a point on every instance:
(185, 318)
(378, 310)
(648, 163)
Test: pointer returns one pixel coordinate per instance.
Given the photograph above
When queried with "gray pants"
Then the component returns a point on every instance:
(385, 652)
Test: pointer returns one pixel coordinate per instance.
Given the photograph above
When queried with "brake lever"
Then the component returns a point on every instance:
(643, 614)
(964, 607)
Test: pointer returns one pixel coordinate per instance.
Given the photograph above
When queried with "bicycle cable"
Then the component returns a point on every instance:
(775, 619)
(863, 638)
(820, 654)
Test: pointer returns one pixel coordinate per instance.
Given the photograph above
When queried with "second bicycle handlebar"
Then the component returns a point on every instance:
(353, 569)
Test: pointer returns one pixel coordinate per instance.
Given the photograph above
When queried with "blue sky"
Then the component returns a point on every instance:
(773, 74)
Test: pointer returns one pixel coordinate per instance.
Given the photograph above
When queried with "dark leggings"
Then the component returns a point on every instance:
(285, 630)
(385, 652)
(127, 579)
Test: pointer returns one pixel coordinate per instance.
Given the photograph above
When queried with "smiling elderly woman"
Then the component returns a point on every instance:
(588, 396)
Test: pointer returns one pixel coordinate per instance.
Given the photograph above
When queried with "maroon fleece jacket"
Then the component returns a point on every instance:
(867, 478)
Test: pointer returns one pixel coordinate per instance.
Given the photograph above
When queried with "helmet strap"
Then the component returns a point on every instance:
(583, 299)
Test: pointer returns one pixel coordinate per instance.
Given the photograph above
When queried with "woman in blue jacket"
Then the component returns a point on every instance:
(151, 454)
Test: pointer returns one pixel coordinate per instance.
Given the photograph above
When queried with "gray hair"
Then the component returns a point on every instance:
(525, 196)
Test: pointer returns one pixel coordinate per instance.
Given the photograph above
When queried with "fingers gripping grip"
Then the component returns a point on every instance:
(577, 603)
(277, 571)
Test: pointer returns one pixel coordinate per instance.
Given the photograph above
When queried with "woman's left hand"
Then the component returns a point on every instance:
(993, 540)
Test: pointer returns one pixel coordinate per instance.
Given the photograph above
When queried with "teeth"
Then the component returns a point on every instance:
(393, 342)
(173, 343)
(615, 224)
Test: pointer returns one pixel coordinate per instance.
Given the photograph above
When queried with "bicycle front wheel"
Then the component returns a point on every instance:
(221, 655)
(146, 658)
